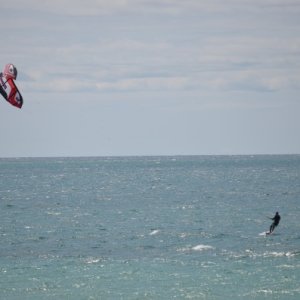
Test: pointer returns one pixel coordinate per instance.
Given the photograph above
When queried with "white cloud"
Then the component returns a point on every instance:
(174, 7)
(233, 45)
(172, 83)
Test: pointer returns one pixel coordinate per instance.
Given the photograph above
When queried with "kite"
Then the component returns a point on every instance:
(8, 88)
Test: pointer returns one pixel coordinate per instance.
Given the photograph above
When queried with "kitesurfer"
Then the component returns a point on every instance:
(276, 220)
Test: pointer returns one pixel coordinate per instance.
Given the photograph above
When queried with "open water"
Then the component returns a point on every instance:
(149, 228)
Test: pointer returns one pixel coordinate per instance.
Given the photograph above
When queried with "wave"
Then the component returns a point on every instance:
(199, 248)
(202, 247)
(154, 232)
(268, 254)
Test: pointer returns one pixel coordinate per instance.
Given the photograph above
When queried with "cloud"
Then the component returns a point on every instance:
(132, 45)
(150, 83)
(174, 7)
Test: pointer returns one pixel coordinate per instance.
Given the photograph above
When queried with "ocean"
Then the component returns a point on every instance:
(186, 227)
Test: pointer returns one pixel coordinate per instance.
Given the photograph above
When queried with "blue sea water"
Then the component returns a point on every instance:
(149, 228)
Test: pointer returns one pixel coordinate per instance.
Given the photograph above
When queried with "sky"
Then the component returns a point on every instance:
(159, 77)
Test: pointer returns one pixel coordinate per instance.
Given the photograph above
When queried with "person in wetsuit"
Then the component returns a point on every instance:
(275, 223)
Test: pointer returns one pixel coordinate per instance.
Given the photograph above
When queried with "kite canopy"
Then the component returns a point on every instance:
(10, 71)
(8, 88)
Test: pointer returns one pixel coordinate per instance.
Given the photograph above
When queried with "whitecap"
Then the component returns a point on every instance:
(92, 260)
(274, 254)
(183, 235)
(53, 213)
(292, 253)
(196, 248)
(202, 247)
(265, 291)
(286, 267)
(154, 232)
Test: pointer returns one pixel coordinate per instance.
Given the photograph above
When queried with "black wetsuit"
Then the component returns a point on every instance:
(275, 223)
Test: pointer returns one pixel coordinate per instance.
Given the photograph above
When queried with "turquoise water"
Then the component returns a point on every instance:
(149, 228)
